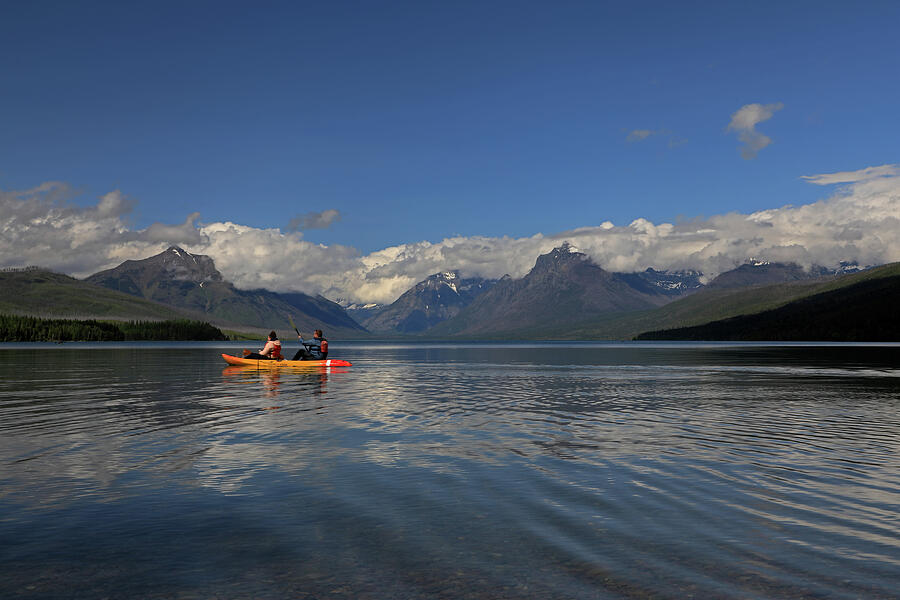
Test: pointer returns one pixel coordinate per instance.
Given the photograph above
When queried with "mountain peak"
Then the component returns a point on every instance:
(563, 255)
(181, 265)
(567, 251)
(178, 254)
(174, 264)
(760, 272)
(447, 276)
(756, 262)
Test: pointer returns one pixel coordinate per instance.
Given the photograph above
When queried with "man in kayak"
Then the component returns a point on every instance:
(317, 350)
(271, 351)
(319, 347)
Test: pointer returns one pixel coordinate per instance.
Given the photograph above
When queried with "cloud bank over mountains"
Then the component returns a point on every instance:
(860, 222)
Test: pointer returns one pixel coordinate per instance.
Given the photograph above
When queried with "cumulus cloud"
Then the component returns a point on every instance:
(744, 123)
(42, 226)
(314, 220)
(860, 222)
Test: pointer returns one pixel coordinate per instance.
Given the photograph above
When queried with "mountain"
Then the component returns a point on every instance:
(174, 277)
(321, 310)
(565, 296)
(190, 281)
(862, 311)
(762, 273)
(563, 287)
(439, 297)
(361, 312)
(41, 293)
(668, 283)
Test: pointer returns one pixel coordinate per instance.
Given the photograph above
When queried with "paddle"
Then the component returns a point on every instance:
(300, 337)
(291, 319)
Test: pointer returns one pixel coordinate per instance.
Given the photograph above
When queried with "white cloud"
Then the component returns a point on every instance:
(860, 222)
(42, 227)
(744, 122)
(114, 204)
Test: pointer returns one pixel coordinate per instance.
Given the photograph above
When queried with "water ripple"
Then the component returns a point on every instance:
(454, 471)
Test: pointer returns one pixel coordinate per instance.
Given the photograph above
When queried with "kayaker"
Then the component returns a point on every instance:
(319, 347)
(316, 350)
(271, 351)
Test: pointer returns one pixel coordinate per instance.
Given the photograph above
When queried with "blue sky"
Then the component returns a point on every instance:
(417, 121)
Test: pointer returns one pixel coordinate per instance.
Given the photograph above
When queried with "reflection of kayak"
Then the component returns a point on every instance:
(278, 364)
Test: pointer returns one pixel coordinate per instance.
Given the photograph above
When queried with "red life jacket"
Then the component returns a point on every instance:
(276, 352)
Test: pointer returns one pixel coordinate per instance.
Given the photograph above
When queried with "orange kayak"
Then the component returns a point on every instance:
(278, 364)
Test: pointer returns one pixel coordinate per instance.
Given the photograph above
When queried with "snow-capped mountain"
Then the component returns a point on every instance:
(564, 287)
(671, 283)
(437, 298)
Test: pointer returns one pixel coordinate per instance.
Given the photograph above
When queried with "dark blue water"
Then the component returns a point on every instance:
(451, 471)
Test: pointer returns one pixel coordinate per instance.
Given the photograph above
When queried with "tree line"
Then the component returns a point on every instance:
(16, 328)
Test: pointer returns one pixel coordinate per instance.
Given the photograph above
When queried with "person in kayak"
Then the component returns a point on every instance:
(319, 347)
(271, 351)
(316, 350)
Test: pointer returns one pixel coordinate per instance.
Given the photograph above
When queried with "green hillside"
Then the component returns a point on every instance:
(863, 311)
(710, 305)
(41, 293)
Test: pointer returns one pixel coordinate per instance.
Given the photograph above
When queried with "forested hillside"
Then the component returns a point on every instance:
(865, 311)
(15, 328)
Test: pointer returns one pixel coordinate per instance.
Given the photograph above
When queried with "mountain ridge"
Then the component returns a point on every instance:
(178, 278)
(564, 296)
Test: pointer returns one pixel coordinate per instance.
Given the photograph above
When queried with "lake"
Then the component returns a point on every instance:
(531, 470)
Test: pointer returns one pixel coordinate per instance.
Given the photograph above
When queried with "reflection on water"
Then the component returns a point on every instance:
(455, 471)
(269, 380)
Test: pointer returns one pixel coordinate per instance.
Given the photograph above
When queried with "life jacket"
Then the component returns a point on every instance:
(276, 352)
(319, 348)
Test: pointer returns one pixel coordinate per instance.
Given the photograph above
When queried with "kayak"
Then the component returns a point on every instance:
(278, 364)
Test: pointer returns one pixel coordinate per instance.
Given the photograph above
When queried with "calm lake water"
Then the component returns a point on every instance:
(451, 471)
